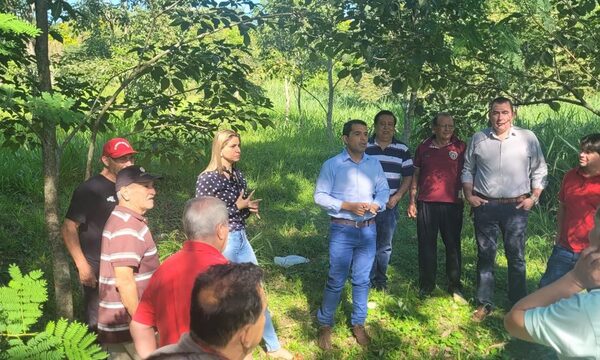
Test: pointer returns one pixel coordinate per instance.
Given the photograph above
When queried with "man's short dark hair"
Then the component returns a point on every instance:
(348, 126)
(439, 115)
(225, 298)
(590, 143)
(502, 100)
(382, 113)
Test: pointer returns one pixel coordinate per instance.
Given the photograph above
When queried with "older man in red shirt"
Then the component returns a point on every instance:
(165, 305)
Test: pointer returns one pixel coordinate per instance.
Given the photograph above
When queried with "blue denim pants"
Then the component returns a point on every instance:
(561, 261)
(239, 250)
(385, 222)
(491, 219)
(350, 248)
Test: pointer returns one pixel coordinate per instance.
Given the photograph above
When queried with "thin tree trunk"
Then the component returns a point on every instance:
(91, 148)
(62, 282)
(286, 88)
(409, 115)
(330, 88)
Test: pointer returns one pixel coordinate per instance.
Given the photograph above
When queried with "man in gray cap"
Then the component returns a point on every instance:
(128, 260)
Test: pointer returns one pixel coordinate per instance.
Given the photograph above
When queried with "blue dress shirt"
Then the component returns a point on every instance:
(341, 179)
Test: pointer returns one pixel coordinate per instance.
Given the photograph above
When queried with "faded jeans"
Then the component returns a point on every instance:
(350, 249)
(239, 250)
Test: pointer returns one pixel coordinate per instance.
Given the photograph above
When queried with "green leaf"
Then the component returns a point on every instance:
(164, 83)
(246, 39)
(178, 84)
(356, 75)
(343, 73)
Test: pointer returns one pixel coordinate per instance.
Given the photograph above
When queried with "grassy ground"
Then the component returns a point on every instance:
(282, 164)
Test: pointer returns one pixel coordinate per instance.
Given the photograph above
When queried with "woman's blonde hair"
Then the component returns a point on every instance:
(222, 138)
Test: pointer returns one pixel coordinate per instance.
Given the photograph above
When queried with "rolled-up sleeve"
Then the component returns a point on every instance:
(469, 168)
(324, 188)
(539, 169)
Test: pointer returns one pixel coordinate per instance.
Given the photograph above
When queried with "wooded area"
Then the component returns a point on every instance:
(169, 72)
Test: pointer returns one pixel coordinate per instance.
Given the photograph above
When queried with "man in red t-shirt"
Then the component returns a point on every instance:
(165, 305)
(579, 198)
(438, 163)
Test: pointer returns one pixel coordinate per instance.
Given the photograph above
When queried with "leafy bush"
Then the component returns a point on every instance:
(21, 307)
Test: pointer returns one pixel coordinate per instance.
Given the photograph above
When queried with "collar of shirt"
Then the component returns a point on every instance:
(192, 245)
(373, 141)
(131, 212)
(429, 142)
(346, 156)
(490, 132)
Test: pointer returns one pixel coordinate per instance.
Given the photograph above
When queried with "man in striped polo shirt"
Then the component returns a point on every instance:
(127, 261)
(398, 167)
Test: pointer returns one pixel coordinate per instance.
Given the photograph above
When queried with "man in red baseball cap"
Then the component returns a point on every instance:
(90, 207)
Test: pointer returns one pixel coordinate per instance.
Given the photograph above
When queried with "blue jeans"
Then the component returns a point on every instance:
(349, 248)
(489, 220)
(561, 261)
(239, 250)
(386, 225)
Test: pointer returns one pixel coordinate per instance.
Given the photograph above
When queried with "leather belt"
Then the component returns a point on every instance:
(512, 200)
(358, 224)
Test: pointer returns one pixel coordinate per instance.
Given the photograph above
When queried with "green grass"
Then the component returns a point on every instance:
(282, 164)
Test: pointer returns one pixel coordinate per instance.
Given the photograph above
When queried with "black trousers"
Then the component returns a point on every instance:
(445, 218)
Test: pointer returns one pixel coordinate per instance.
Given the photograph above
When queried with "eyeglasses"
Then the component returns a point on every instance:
(449, 127)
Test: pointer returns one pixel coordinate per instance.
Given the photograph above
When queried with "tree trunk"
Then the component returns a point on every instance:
(330, 88)
(286, 89)
(62, 279)
(91, 148)
(409, 115)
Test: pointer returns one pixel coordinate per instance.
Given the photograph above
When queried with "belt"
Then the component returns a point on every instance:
(358, 224)
(512, 200)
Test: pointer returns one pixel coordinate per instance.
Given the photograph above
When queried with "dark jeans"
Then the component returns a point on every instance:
(561, 261)
(386, 226)
(447, 219)
(489, 220)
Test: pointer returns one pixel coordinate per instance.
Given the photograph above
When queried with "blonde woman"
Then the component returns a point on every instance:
(223, 180)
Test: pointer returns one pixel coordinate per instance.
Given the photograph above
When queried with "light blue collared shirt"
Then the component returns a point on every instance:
(341, 179)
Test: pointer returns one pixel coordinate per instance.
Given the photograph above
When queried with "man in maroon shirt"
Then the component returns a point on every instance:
(438, 163)
(165, 305)
(579, 198)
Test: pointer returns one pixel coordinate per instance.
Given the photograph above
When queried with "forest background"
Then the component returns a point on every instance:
(286, 74)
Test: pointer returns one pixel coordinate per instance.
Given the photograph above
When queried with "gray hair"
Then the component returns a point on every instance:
(201, 216)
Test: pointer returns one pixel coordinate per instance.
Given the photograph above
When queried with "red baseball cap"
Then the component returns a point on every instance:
(117, 147)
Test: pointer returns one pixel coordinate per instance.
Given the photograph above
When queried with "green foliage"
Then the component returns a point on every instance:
(21, 307)
(14, 34)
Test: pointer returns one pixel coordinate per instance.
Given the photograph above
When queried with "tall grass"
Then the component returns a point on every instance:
(281, 164)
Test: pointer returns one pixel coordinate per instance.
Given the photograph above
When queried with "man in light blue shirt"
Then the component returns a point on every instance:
(352, 188)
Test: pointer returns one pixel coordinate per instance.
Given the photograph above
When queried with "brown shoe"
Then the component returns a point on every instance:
(482, 312)
(324, 338)
(360, 334)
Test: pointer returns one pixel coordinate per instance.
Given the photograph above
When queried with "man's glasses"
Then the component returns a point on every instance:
(449, 127)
